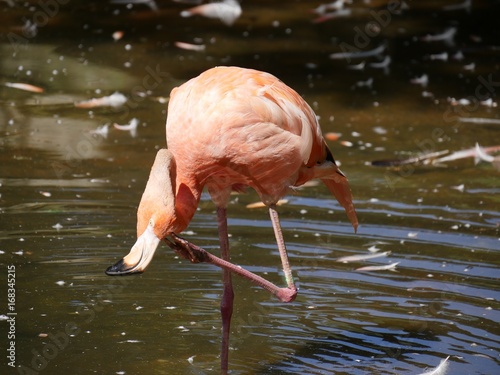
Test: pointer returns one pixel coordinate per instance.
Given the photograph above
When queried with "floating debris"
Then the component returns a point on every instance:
(460, 188)
(360, 66)
(261, 205)
(439, 56)
(117, 35)
(469, 153)
(24, 87)
(310, 183)
(380, 130)
(331, 136)
(113, 100)
(387, 267)
(131, 341)
(488, 103)
(336, 5)
(384, 64)
(368, 83)
(30, 28)
(481, 155)
(99, 181)
(130, 127)
(440, 369)
(358, 258)
(447, 36)
(333, 15)
(421, 159)
(190, 47)
(183, 329)
(101, 130)
(346, 143)
(423, 80)
(463, 101)
(479, 120)
(358, 54)
(227, 11)
(437, 158)
(470, 67)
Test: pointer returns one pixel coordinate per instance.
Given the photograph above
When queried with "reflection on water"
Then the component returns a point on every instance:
(69, 191)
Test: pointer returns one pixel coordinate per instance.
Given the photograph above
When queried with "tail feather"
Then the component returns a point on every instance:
(339, 187)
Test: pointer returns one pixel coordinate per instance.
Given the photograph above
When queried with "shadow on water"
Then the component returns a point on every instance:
(70, 183)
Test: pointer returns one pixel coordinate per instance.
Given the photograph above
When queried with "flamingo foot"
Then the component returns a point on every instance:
(287, 295)
(187, 250)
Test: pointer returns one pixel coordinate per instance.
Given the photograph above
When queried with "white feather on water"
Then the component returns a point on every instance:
(357, 258)
(440, 369)
(386, 267)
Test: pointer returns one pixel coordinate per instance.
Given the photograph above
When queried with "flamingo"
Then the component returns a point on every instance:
(228, 129)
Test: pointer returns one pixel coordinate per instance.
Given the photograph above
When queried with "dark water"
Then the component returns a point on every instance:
(69, 195)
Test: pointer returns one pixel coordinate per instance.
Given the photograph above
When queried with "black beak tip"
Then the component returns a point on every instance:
(120, 269)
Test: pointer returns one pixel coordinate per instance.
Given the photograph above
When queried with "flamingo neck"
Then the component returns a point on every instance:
(187, 198)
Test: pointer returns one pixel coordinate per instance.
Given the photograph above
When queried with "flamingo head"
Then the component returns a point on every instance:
(155, 216)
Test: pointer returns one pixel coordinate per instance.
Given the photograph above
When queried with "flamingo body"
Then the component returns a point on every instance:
(242, 127)
(227, 129)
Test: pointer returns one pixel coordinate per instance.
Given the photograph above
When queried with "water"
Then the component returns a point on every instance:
(69, 196)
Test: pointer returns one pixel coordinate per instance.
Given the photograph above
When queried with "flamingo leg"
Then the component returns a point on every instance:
(197, 254)
(226, 306)
(282, 248)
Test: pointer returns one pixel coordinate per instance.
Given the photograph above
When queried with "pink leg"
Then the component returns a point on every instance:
(226, 306)
(196, 254)
(282, 248)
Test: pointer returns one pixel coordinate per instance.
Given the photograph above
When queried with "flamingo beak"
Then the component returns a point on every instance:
(139, 257)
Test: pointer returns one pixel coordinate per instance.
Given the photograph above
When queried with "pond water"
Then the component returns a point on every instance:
(69, 193)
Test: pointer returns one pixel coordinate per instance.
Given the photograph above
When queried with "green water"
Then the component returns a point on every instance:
(68, 196)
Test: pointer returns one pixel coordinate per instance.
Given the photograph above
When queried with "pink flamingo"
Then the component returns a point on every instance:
(227, 129)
